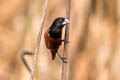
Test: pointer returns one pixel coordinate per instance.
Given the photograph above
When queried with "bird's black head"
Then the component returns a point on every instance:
(56, 27)
(60, 22)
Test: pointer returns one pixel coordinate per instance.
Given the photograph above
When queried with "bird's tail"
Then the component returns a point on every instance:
(53, 52)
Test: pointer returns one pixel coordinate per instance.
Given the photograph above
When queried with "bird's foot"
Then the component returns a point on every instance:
(65, 60)
(66, 41)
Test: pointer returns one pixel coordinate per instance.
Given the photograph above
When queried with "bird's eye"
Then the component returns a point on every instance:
(60, 21)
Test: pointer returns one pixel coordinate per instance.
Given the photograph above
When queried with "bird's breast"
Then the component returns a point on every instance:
(52, 43)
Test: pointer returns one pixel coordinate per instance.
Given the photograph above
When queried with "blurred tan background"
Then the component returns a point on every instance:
(94, 37)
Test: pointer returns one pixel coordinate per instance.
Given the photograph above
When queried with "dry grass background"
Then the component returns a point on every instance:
(94, 37)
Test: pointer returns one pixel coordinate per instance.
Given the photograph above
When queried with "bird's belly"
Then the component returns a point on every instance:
(55, 44)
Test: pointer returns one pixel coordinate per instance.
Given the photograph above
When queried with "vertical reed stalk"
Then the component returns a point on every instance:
(65, 52)
(38, 41)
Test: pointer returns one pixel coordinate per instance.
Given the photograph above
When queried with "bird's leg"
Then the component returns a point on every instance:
(24, 60)
(64, 60)
(66, 41)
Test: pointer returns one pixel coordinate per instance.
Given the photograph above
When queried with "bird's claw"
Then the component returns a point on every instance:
(66, 41)
(65, 60)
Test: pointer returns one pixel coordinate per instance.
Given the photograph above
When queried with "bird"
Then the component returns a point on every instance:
(53, 37)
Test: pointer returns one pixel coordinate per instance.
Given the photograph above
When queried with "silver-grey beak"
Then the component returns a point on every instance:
(66, 21)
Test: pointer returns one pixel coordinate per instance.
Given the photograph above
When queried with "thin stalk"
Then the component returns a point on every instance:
(38, 41)
(65, 52)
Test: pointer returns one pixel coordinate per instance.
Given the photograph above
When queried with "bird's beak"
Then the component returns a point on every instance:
(66, 21)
